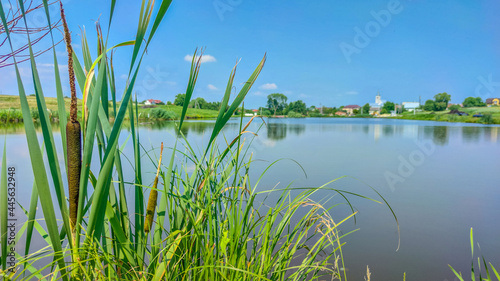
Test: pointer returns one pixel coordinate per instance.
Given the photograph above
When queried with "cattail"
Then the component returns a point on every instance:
(73, 134)
(153, 198)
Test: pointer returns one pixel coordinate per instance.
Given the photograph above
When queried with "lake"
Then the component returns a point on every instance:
(440, 179)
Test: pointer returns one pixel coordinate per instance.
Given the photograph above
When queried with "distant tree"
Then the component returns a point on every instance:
(328, 110)
(355, 111)
(276, 102)
(473, 102)
(366, 108)
(212, 105)
(442, 97)
(169, 103)
(297, 106)
(199, 103)
(455, 107)
(179, 99)
(429, 105)
(440, 106)
(387, 107)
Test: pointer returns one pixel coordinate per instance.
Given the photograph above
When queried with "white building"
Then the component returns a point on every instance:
(411, 106)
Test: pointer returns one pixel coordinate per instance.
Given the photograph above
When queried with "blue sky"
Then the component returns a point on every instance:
(329, 52)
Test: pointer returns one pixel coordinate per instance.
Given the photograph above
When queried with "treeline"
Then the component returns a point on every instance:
(441, 101)
(277, 104)
(199, 103)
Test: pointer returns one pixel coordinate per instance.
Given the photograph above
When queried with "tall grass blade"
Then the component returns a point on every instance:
(61, 109)
(193, 76)
(48, 136)
(37, 159)
(221, 121)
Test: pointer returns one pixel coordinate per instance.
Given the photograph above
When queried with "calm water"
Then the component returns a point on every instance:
(441, 179)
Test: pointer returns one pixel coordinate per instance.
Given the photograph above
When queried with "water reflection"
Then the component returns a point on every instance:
(388, 130)
(281, 129)
(471, 134)
(438, 134)
(491, 134)
(278, 131)
(188, 127)
(18, 128)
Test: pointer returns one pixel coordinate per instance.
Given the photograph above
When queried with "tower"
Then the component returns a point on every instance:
(378, 100)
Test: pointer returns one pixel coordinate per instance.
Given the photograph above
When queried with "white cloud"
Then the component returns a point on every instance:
(351, 93)
(303, 96)
(258, 93)
(124, 76)
(204, 58)
(212, 87)
(268, 86)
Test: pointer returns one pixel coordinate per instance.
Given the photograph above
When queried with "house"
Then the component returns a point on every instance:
(340, 113)
(493, 102)
(374, 110)
(152, 101)
(411, 105)
(350, 108)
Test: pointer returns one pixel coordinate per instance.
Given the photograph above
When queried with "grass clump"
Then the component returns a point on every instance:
(481, 270)
(487, 119)
(162, 114)
(293, 114)
(10, 116)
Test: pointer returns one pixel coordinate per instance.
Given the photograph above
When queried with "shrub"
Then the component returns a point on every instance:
(455, 107)
(452, 117)
(15, 116)
(293, 114)
(162, 114)
(34, 114)
(4, 116)
(487, 119)
(314, 114)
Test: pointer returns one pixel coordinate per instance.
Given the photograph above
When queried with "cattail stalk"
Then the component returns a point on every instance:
(73, 134)
(153, 198)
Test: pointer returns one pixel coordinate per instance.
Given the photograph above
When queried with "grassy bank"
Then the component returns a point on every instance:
(491, 115)
(10, 110)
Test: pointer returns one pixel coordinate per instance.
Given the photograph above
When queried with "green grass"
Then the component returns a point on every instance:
(14, 102)
(192, 113)
(11, 103)
(445, 117)
(481, 270)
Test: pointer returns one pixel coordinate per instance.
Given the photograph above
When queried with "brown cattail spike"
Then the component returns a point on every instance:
(153, 198)
(71, 72)
(73, 135)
